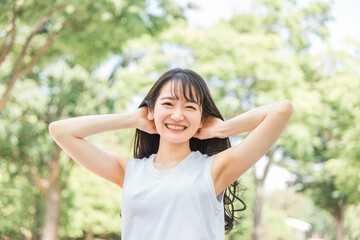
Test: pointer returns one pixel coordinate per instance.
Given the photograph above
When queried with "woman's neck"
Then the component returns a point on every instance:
(172, 152)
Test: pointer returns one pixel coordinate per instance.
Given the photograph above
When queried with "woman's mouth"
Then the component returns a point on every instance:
(175, 127)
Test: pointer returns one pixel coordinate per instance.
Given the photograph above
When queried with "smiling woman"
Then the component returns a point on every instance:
(181, 182)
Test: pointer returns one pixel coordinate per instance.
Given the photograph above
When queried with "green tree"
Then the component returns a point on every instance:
(26, 143)
(35, 33)
(328, 169)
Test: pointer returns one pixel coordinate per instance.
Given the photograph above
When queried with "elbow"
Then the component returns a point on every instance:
(54, 128)
(286, 107)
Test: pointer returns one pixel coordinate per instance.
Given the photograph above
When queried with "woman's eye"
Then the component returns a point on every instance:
(169, 104)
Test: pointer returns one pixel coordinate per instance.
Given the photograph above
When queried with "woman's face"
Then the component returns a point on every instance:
(175, 120)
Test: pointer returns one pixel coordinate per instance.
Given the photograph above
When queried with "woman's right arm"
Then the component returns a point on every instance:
(69, 134)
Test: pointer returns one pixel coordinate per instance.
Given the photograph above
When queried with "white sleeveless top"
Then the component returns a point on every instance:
(173, 204)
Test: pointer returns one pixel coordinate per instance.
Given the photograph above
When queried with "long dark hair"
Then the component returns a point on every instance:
(146, 144)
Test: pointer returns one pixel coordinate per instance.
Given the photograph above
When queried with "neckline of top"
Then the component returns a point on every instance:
(164, 171)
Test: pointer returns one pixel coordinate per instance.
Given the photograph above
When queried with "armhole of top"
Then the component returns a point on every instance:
(128, 170)
(217, 200)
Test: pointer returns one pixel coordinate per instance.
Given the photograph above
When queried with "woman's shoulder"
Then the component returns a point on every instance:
(203, 155)
(202, 158)
(141, 159)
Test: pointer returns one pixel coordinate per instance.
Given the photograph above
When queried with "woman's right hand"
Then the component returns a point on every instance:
(144, 124)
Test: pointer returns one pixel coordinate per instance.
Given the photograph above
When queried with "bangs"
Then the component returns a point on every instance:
(183, 88)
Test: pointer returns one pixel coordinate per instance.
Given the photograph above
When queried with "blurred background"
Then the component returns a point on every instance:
(62, 59)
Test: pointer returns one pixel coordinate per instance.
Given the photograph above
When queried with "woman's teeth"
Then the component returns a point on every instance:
(174, 127)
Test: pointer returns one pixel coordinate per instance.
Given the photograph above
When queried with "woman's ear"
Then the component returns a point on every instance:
(150, 115)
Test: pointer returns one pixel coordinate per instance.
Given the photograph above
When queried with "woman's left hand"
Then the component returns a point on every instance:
(210, 128)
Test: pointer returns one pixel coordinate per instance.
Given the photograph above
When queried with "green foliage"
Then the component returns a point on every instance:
(88, 31)
(329, 172)
(296, 20)
(89, 203)
(352, 222)
(18, 202)
(346, 178)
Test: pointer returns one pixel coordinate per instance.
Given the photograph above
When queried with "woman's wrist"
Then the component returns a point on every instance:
(136, 117)
(220, 131)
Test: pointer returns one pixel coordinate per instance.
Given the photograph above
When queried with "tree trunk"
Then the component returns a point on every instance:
(258, 202)
(258, 225)
(38, 217)
(88, 233)
(339, 228)
(357, 214)
(52, 212)
(339, 223)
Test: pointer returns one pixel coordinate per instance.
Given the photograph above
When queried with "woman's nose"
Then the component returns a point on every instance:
(177, 115)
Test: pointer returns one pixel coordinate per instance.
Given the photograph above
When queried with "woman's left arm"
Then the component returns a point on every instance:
(276, 114)
(267, 123)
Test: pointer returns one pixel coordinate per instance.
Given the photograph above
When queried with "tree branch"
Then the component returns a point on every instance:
(55, 166)
(6, 47)
(40, 183)
(16, 72)
(35, 30)
(43, 49)
(266, 171)
(67, 171)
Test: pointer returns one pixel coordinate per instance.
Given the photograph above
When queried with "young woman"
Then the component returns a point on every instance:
(174, 187)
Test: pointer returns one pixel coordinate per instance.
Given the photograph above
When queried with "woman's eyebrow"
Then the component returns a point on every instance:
(172, 98)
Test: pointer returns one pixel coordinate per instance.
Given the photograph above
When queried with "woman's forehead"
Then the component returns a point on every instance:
(175, 89)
